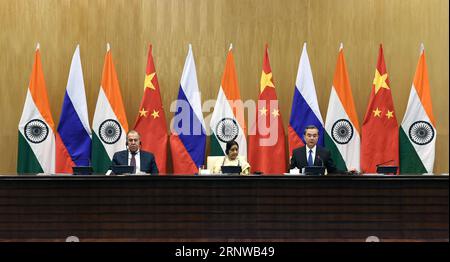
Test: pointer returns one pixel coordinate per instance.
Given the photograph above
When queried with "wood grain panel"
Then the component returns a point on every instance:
(170, 25)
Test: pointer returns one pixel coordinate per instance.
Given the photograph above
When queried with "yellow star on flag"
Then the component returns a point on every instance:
(266, 80)
(377, 112)
(263, 111)
(275, 112)
(155, 114)
(380, 81)
(390, 114)
(143, 113)
(148, 81)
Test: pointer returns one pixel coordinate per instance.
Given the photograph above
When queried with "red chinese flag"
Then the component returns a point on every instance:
(151, 121)
(267, 148)
(379, 137)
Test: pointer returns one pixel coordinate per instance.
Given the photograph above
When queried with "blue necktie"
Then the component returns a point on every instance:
(310, 159)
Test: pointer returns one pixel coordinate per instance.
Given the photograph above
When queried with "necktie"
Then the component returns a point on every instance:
(310, 159)
(133, 162)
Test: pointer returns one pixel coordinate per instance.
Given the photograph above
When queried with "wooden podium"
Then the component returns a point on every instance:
(224, 208)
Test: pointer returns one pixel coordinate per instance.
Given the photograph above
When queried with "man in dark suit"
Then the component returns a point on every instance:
(143, 161)
(311, 154)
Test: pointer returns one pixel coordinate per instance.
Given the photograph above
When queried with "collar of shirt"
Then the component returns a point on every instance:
(129, 153)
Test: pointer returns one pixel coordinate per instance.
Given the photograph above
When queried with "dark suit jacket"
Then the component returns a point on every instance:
(299, 159)
(148, 163)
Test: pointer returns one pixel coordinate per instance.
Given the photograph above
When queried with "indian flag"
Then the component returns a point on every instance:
(341, 125)
(110, 122)
(40, 148)
(418, 130)
(227, 121)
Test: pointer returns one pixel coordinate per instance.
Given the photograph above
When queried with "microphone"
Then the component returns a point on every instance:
(385, 162)
(321, 162)
(318, 157)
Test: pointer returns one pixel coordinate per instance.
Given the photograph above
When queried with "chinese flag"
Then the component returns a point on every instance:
(267, 149)
(151, 121)
(379, 141)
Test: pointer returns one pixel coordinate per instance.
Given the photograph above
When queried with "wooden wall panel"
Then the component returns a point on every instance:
(170, 25)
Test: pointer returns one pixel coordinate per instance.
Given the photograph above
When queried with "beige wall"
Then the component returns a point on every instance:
(210, 25)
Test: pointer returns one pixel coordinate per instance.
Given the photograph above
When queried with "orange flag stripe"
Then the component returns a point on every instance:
(110, 86)
(343, 88)
(231, 89)
(422, 86)
(38, 91)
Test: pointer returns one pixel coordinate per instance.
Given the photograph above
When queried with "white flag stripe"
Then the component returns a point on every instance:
(416, 112)
(44, 151)
(190, 85)
(305, 83)
(350, 151)
(76, 90)
(222, 109)
(104, 111)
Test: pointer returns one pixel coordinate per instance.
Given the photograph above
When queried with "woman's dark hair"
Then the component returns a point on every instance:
(229, 145)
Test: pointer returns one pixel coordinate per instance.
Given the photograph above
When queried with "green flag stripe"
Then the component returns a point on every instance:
(335, 154)
(100, 158)
(410, 161)
(26, 160)
(216, 149)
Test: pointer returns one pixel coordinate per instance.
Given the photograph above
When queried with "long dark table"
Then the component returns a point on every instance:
(224, 208)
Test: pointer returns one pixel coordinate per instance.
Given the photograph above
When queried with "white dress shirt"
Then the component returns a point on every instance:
(313, 153)
(138, 160)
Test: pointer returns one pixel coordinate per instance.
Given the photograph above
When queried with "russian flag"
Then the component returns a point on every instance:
(305, 108)
(74, 122)
(188, 134)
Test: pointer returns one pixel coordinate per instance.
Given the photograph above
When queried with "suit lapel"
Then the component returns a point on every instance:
(144, 162)
(125, 157)
(141, 156)
(316, 159)
(303, 160)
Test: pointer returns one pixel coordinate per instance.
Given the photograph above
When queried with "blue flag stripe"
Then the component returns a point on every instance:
(194, 144)
(74, 135)
(302, 116)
